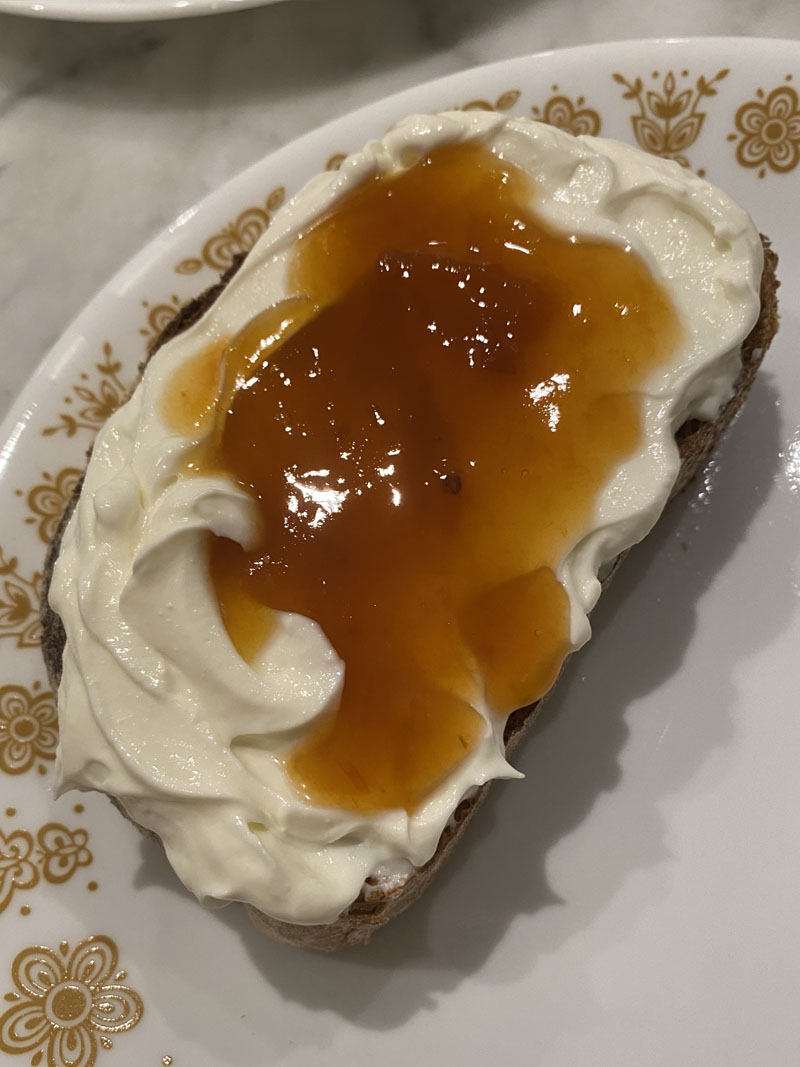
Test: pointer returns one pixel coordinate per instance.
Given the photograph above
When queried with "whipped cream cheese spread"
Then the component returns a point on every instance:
(156, 705)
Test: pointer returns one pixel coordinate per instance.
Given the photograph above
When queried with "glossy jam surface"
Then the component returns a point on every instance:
(425, 435)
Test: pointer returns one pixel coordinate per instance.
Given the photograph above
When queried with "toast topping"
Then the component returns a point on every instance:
(425, 436)
(273, 771)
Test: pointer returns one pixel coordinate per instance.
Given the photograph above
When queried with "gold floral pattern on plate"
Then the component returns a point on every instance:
(504, 102)
(54, 855)
(19, 603)
(769, 131)
(159, 316)
(669, 119)
(573, 116)
(98, 402)
(67, 1003)
(335, 161)
(238, 236)
(28, 727)
(48, 499)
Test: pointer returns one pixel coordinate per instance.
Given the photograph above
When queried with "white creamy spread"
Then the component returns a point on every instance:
(156, 706)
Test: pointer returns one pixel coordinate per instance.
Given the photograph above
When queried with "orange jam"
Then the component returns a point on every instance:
(425, 434)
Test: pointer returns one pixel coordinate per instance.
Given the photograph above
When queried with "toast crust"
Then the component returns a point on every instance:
(696, 440)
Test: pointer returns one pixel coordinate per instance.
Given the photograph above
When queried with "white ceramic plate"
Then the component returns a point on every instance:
(634, 900)
(123, 10)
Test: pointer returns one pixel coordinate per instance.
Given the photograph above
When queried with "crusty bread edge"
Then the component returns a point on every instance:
(696, 440)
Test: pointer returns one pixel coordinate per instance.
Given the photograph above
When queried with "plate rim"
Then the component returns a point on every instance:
(124, 10)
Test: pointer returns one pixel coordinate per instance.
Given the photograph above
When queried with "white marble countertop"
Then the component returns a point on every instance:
(107, 132)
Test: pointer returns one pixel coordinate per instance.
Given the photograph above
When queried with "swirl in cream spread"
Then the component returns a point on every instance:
(156, 706)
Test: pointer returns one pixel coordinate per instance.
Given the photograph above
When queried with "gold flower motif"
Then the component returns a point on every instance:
(62, 851)
(504, 102)
(219, 250)
(58, 855)
(98, 403)
(66, 1000)
(576, 119)
(669, 122)
(48, 500)
(28, 728)
(19, 603)
(335, 161)
(771, 131)
(159, 316)
(17, 869)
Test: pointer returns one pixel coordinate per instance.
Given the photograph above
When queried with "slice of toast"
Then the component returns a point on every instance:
(375, 906)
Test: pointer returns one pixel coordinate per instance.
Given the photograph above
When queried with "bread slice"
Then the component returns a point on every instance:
(376, 906)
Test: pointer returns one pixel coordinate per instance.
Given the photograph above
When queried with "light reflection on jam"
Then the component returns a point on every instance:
(425, 435)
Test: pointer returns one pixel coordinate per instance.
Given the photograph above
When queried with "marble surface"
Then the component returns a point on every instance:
(107, 132)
